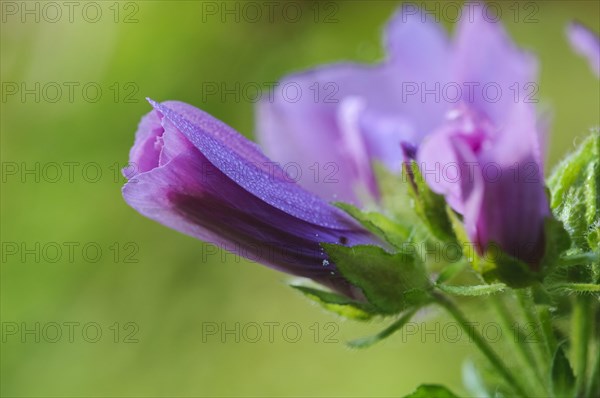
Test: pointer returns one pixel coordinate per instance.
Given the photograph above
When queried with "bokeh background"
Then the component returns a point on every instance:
(175, 285)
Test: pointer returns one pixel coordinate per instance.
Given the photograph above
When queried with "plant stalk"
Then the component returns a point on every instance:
(581, 335)
(518, 342)
(480, 342)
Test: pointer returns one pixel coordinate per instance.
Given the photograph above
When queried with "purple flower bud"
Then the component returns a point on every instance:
(197, 175)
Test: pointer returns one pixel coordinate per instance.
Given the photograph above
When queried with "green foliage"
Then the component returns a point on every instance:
(431, 391)
(497, 265)
(575, 193)
(339, 304)
(450, 271)
(562, 377)
(392, 232)
(391, 282)
(395, 196)
(429, 206)
(557, 242)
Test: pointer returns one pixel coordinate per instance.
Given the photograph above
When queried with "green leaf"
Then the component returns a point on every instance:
(392, 232)
(339, 304)
(430, 206)
(431, 391)
(562, 377)
(557, 242)
(458, 229)
(477, 290)
(575, 193)
(394, 327)
(496, 265)
(391, 282)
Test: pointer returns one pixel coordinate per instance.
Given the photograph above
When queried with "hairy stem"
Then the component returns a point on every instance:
(542, 340)
(519, 343)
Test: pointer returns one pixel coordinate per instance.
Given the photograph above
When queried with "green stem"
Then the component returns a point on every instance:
(394, 327)
(480, 342)
(518, 342)
(540, 332)
(581, 336)
(580, 258)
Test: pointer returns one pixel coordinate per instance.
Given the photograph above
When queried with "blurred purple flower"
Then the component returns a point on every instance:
(457, 102)
(586, 43)
(197, 175)
(353, 114)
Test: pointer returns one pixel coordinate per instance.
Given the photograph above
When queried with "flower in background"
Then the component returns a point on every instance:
(351, 114)
(586, 43)
(461, 104)
(197, 175)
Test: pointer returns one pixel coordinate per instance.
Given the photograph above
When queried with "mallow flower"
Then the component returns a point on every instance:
(353, 114)
(463, 105)
(586, 43)
(197, 175)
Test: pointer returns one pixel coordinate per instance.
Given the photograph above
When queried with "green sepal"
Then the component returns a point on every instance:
(575, 193)
(338, 304)
(392, 283)
(557, 241)
(431, 391)
(429, 206)
(392, 232)
(497, 265)
(561, 377)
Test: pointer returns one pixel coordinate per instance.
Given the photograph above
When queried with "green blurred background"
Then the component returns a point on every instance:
(166, 298)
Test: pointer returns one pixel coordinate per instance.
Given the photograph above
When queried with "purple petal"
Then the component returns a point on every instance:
(417, 46)
(448, 158)
(211, 183)
(514, 206)
(241, 160)
(145, 151)
(485, 56)
(500, 189)
(311, 132)
(585, 43)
